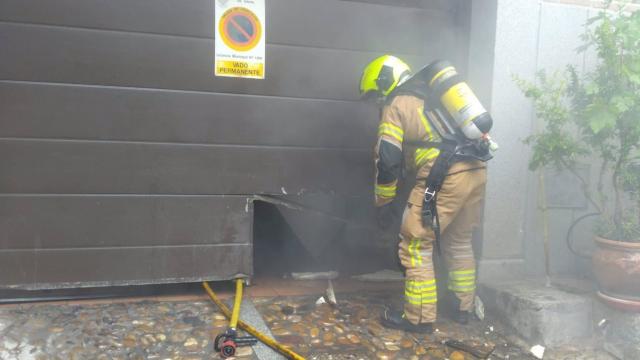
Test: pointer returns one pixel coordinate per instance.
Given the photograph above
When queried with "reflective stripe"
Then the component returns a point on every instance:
(417, 255)
(421, 292)
(464, 278)
(396, 128)
(458, 287)
(425, 296)
(387, 187)
(461, 273)
(462, 256)
(412, 251)
(463, 285)
(440, 73)
(421, 301)
(470, 271)
(462, 289)
(425, 254)
(461, 277)
(392, 134)
(391, 130)
(386, 190)
(420, 286)
(386, 194)
(425, 122)
(420, 283)
(421, 297)
(422, 155)
(428, 290)
(460, 246)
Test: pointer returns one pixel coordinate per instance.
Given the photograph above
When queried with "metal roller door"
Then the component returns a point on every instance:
(123, 160)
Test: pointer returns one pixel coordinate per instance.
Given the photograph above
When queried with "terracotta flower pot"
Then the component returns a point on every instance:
(616, 265)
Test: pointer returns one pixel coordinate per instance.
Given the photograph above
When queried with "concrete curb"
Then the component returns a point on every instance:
(251, 316)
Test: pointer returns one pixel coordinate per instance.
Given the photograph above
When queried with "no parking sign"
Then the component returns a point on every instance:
(240, 38)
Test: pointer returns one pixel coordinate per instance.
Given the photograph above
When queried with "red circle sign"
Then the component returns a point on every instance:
(240, 29)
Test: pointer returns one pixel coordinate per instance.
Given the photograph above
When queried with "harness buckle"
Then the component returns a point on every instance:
(429, 195)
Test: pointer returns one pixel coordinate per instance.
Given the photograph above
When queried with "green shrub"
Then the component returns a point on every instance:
(595, 117)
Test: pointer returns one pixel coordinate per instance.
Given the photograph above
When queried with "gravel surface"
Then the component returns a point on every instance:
(184, 330)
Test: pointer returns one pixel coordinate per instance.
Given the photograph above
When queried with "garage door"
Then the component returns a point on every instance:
(123, 160)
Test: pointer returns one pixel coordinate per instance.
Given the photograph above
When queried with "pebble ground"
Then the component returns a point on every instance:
(183, 330)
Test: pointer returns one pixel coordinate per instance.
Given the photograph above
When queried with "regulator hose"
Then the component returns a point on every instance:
(250, 329)
(570, 232)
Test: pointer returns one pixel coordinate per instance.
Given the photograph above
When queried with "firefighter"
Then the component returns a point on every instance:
(405, 121)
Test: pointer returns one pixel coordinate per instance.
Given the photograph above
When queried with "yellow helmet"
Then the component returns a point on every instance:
(382, 75)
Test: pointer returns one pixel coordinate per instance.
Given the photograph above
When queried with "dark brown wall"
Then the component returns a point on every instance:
(124, 160)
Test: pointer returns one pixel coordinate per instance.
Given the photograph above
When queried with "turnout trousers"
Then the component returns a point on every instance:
(459, 207)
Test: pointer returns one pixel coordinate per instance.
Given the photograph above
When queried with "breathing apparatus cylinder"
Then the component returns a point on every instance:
(462, 109)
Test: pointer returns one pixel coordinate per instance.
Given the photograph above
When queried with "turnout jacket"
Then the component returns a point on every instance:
(404, 120)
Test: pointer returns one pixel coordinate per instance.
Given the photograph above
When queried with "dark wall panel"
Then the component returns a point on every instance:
(441, 5)
(351, 26)
(123, 266)
(66, 55)
(88, 167)
(58, 222)
(326, 23)
(123, 160)
(98, 113)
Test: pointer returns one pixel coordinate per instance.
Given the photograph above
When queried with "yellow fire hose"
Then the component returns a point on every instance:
(235, 314)
(234, 321)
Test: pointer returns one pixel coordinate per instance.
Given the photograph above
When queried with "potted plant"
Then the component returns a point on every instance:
(594, 118)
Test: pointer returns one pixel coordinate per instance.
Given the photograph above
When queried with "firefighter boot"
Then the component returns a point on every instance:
(462, 317)
(395, 319)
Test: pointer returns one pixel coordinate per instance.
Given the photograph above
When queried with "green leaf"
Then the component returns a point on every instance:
(600, 118)
(621, 103)
(634, 65)
(591, 88)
